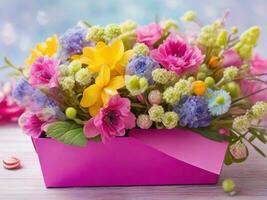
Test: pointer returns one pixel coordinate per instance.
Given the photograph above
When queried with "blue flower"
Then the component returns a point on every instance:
(219, 101)
(22, 93)
(36, 101)
(142, 66)
(72, 42)
(193, 112)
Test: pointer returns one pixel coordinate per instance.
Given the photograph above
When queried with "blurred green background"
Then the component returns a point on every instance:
(23, 23)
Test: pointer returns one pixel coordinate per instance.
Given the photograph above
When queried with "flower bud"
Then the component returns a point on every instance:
(71, 112)
(67, 83)
(112, 31)
(155, 113)
(95, 34)
(141, 49)
(143, 121)
(83, 76)
(128, 25)
(222, 38)
(74, 67)
(199, 88)
(170, 120)
(189, 16)
(154, 97)
(171, 95)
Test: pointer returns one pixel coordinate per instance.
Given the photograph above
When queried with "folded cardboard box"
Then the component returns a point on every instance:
(146, 157)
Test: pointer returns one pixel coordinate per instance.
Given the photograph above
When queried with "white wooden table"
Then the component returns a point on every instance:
(27, 183)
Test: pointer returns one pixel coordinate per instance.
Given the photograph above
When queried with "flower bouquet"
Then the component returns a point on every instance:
(143, 105)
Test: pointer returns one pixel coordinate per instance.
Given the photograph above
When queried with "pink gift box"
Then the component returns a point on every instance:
(146, 157)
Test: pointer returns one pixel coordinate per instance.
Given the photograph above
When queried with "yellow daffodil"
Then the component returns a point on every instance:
(97, 95)
(112, 55)
(47, 48)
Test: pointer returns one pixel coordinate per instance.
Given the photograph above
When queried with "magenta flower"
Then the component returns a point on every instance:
(31, 124)
(258, 65)
(231, 58)
(9, 109)
(44, 72)
(178, 56)
(149, 34)
(112, 120)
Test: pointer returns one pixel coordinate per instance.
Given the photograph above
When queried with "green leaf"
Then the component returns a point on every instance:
(67, 132)
(259, 134)
(7, 61)
(228, 160)
(209, 134)
(252, 138)
(96, 138)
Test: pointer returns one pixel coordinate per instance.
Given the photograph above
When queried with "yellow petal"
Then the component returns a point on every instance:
(93, 110)
(85, 60)
(120, 66)
(88, 52)
(41, 47)
(101, 45)
(117, 49)
(105, 96)
(76, 57)
(103, 77)
(116, 83)
(51, 45)
(92, 58)
(91, 95)
(110, 55)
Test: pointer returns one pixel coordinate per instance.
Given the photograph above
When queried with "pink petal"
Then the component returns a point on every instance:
(231, 58)
(129, 121)
(90, 130)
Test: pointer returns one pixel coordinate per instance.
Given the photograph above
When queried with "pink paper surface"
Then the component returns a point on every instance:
(146, 157)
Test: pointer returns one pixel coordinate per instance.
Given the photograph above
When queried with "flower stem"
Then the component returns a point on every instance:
(249, 95)
(136, 105)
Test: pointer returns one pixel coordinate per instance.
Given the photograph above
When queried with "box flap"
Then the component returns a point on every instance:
(186, 146)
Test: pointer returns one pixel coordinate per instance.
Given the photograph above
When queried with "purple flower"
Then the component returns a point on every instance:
(72, 42)
(193, 112)
(142, 66)
(35, 101)
(178, 56)
(23, 92)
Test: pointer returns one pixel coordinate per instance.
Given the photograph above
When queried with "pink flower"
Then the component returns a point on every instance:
(249, 86)
(258, 65)
(31, 124)
(149, 34)
(44, 72)
(9, 110)
(112, 120)
(178, 56)
(231, 58)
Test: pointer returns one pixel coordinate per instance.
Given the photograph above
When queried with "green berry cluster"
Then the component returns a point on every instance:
(247, 41)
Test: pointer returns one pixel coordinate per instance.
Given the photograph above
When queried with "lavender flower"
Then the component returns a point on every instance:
(36, 101)
(193, 112)
(142, 66)
(22, 93)
(72, 42)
